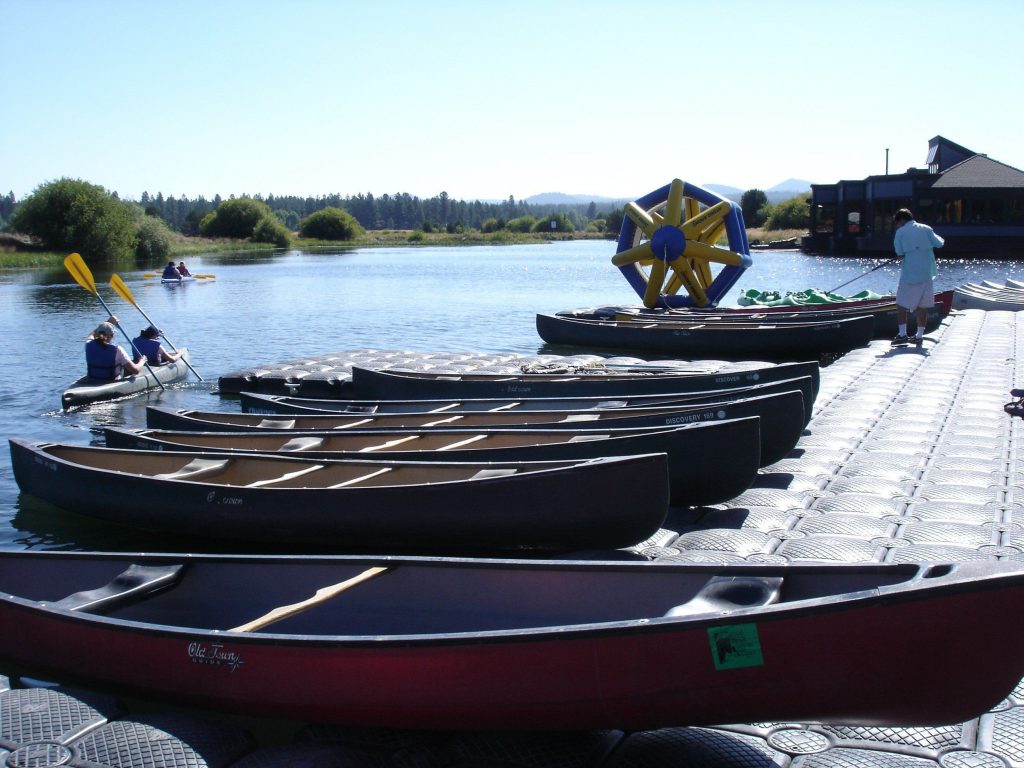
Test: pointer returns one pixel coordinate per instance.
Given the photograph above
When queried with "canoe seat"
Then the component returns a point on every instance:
(195, 469)
(134, 583)
(729, 593)
(359, 409)
(582, 417)
(277, 423)
(484, 474)
(302, 444)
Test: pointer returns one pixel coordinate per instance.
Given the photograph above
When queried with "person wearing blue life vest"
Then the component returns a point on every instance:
(915, 243)
(105, 359)
(170, 272)
(148, 346)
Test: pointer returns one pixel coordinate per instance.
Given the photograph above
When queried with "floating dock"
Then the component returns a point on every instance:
(909, 456)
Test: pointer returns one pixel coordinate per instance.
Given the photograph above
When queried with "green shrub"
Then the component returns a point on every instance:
(556, 222)
(235, 218)
(330, 224)
(74, 215)
(522, 224)
(790, 214)
(270, 230)
(154, 240)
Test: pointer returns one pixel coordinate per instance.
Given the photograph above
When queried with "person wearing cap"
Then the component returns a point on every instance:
(105, 359)
(148, 345)
(170, 272)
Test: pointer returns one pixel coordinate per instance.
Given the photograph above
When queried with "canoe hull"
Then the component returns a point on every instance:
(613, 503)
(724, 341)
(708, 462)
(255, 402)
(811, 661)
(783, 417)
(370, 384)
(88, 390)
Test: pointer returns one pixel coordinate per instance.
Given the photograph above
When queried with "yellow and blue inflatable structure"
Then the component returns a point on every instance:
(667, 242)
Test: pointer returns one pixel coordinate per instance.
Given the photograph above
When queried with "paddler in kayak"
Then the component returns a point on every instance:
(149, 348)
(105, 359)
(170, 272)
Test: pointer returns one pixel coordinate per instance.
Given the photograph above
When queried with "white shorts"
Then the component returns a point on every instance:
(916, 295)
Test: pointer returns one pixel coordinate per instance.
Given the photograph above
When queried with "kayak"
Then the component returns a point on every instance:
(89, 390)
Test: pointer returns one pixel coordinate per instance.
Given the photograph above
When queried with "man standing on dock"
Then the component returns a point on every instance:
(915, 244)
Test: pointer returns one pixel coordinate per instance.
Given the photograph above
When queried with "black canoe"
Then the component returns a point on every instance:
(699, 338)
(258, 402)
(709, 462)
(488, 645)
(372, 384)
(781, 414)
(89, 390)
(289, 501)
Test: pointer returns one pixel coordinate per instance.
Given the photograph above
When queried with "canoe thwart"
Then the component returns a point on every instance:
(133, 583)
(322, 595)
(727, 593)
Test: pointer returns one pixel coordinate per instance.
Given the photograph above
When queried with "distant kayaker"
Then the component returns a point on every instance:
(148, 345)
(171, 272)
(105, 359)
(183, 270)
(915, 244)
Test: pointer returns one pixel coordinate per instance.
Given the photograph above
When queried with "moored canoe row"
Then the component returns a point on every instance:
(989, 295)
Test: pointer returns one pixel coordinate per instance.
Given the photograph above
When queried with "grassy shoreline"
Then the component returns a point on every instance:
(12, 257)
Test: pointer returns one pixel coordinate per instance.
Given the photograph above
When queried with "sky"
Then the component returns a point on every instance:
(484, 100)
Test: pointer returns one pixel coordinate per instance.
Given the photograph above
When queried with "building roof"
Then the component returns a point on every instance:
(980, 171)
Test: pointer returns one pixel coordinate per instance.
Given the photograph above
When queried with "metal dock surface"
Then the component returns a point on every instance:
(909, 456)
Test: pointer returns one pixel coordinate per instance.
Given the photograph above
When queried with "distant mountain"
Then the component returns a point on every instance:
(560, 198)
(730, 193)
(796, 186)
(784, 190)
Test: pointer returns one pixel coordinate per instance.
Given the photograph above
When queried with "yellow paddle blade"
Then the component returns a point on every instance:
(76, 265)
(122, 290)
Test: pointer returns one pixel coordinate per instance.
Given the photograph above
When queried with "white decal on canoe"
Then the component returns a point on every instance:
(214, 655)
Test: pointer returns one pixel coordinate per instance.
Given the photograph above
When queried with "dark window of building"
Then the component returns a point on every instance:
(826, 219)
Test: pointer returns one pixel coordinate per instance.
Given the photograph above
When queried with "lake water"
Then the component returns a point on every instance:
(265, 308)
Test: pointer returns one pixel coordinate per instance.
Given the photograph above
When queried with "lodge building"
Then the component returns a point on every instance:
(974, 202)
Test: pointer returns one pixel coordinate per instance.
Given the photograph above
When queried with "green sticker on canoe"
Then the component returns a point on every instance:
(735, 646)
